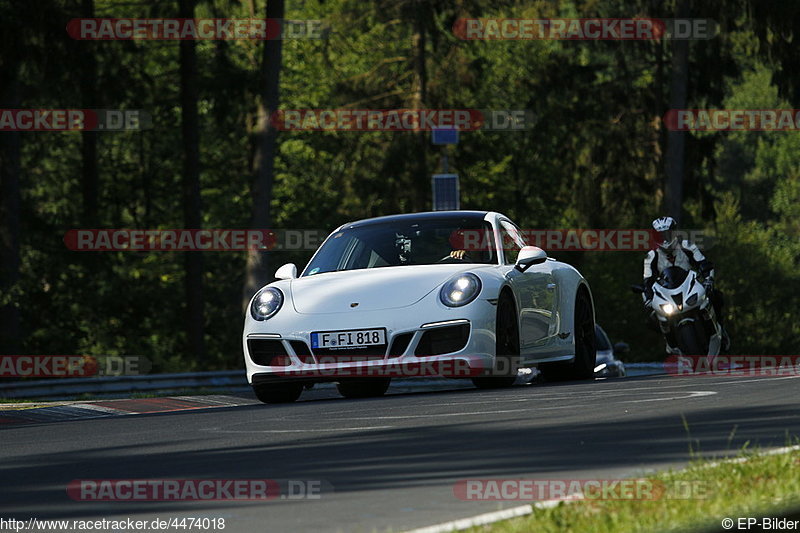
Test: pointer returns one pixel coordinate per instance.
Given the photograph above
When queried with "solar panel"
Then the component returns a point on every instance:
(445, 192)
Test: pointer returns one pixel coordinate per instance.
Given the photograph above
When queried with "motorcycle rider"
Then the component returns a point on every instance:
(674, 251)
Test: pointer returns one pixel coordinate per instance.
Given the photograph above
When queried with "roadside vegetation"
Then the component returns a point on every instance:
(595, 158)
(752, 486)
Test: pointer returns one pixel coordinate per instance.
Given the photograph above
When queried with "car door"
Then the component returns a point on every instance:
(536, 291)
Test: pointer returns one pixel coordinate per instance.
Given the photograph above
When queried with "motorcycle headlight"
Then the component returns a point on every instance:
(266, 303)
(668, 308)
(460, 290)
(691, 300)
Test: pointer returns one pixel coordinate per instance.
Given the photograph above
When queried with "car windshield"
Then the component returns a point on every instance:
(416, 241)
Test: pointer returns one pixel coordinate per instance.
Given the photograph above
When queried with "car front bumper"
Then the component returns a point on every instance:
(293, 331)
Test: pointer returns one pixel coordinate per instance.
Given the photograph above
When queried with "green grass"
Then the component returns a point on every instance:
(84, 397)
(763, 485)
(15, 404)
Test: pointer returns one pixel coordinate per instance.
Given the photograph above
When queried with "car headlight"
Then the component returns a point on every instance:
(460, 290)
(266, 303)
(668, 308)
(691, 300)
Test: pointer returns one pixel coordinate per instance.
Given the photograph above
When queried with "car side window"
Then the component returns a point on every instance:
(512, 241)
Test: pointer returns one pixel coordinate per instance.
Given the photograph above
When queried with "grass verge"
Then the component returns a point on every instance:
(754, 486)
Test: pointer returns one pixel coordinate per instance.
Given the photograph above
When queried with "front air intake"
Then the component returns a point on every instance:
(268, 352)
(438, 341)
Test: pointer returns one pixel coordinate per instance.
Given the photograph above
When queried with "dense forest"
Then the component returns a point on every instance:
(598, 156)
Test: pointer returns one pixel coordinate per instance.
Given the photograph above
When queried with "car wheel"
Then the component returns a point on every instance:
(507, 348)
(363, 388)
(278, 392)
(585, 346)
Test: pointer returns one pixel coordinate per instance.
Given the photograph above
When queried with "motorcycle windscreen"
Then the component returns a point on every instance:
(672, 277)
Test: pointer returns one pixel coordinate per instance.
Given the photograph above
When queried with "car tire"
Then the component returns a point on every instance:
(278, 392)
(506, 348)
(582, 367)
(363, 388)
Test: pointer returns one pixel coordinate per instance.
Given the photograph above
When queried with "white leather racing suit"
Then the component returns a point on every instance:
(686, 256)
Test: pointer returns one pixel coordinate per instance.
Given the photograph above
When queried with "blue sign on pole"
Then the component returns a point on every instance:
(444, 136)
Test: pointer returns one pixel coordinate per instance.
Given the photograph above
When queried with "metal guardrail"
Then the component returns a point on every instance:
(232, 380)
(119, 385)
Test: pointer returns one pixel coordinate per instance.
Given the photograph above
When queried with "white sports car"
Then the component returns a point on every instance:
(453, 293)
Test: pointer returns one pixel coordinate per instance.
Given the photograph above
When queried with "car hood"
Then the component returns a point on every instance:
(372, 289)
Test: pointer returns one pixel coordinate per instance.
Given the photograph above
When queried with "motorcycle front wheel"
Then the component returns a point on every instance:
(692, 339)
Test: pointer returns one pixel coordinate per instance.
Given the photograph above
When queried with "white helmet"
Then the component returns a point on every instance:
(666, 228)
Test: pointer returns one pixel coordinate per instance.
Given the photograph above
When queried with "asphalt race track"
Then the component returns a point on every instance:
(392, 462)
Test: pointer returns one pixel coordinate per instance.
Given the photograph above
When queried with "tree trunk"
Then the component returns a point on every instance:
(676, 140)
(192, 217)
(422, 182)
(88, 85)
(256, 275)
(10, 200)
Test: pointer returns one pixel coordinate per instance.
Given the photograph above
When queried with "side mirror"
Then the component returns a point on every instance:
(621, 348)
(637, 289)
(529, 256)
(287, 271)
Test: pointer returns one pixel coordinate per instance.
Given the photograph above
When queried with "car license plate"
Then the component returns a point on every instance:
(352, 338)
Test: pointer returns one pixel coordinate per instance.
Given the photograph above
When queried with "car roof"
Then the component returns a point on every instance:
(407, 217)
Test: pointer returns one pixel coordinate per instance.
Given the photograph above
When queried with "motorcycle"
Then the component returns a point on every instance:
(684, 313)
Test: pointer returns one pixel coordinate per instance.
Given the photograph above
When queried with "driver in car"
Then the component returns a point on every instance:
(458, 241)
(427, 248)
(674, 251)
